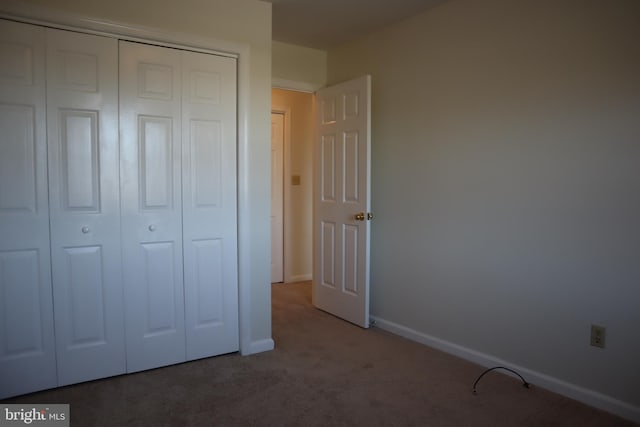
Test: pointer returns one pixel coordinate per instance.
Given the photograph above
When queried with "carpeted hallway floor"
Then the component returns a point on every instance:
(323, 372)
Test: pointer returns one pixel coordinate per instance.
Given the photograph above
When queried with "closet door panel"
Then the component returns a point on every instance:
(209, 204)
(27, 348)
(150, 108)
(82, 123)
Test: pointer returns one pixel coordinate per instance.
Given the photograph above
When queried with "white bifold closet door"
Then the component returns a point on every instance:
(151, 192)
(178, 189)
(209, 200)
(118, 229)
(82, 129)
(27, 346)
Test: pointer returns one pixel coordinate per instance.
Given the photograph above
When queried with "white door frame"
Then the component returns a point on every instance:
(286, 172)
(49, 17)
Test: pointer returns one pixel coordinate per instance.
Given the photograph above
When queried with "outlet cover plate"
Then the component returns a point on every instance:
(598, 334)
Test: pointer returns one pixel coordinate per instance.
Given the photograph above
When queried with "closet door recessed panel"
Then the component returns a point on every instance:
(79, 145)
(18, 191)
(156, 142)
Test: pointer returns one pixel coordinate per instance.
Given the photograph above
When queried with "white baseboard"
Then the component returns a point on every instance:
(589, 397)
(259, 347)
(299, 278)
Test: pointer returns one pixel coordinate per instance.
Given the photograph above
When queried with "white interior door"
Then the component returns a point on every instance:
(209, 194)
(27, 348)
(277, 197)
(84, 197)
(151, 191)
(342, 200)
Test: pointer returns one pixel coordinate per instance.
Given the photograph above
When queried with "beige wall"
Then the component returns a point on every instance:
(506, 184)
(240, 20)
(297, 220)
(302, 67)
(246, 22)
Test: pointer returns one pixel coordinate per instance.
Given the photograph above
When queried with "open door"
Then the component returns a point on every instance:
(342, 200)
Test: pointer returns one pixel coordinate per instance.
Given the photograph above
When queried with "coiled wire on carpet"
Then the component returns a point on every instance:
(524, 382)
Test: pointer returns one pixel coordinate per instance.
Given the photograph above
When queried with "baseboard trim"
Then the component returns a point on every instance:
(589, 397)
(299, 278)
(259, 346)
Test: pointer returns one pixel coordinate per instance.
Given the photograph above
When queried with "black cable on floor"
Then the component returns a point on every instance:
(524, 382)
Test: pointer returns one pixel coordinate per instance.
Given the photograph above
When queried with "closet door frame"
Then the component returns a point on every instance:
(45, 16)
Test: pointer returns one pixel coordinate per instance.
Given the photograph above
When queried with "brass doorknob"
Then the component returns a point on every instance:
(359, 216)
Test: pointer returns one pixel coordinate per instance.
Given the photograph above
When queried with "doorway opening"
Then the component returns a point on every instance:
(277, 197)
(297, 111)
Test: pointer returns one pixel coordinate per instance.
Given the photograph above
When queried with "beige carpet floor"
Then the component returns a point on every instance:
(323, 372)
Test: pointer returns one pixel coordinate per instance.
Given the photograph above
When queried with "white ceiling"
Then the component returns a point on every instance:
(322, 24)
